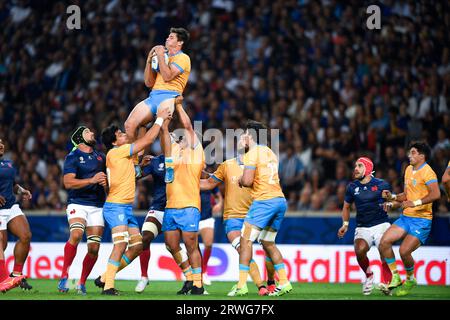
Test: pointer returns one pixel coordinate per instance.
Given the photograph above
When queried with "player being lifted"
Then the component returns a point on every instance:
(85, 180)
(12, 219)
(236, 205)
(182, 214)
(266, 213)
(167, 82)
(371, 219)
(118, 210)
(414, 225)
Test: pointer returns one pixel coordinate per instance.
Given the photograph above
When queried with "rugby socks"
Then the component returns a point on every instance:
(124, 261)
(281, 270)
(197, 277)
(168, 161)
(144, 258)
(364, 264)
(110, 274)
(409, 272)
(3, 270)
(88, 264)
(386, 274)
(392, 265)
(70, 252)
(270, 269)
(206, 255)
(17, 270)
(188, 274)
(243, 275)
(254, 274)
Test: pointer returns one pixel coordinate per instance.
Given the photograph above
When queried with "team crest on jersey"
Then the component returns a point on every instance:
(72, 211)
(82, 160)
(374, 188)
(356, 191)
(121, 217)
(414, 182)
(234, 179)
(99, 158)
(161, 167)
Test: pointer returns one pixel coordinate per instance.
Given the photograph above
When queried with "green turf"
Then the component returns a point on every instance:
(165, 290)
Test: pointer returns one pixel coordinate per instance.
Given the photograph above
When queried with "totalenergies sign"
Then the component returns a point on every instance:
(304, 263)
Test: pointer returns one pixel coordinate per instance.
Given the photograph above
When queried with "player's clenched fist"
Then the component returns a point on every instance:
(386, 194)
(100, 178)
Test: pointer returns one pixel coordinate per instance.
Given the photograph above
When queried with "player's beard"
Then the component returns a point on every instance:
(90, 143)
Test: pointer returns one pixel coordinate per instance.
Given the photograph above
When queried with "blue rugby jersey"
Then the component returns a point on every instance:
(157, 169)
(86, 165)
(368, 201)
(7, 181)
(205, 197)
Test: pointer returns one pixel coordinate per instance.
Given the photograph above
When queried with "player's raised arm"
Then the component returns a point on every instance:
(152, 133)
(149, 73)
(186, 122)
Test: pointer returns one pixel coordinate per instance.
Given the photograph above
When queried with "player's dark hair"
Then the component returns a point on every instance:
(182, 34)
(257, 130)
(109, 136)
(422, 147)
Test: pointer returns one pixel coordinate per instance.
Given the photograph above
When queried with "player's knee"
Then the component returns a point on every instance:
(25, 237)
(135, 244)
(76, 232)
(404, 251)
(76, 236)
(150, 230)
(249, 232)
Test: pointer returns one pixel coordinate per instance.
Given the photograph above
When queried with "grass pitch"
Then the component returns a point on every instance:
(166, 290)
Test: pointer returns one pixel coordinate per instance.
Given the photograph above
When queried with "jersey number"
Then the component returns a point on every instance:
(273, 170)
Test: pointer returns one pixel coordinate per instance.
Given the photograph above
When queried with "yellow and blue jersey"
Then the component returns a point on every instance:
(237, 200)
(266, 184)
(182, 62)
(121, 174)
(184, 191)
(416, 187)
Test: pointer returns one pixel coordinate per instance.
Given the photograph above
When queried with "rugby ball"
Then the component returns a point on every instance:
(155, 65)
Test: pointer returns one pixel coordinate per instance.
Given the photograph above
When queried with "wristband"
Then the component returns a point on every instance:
(417, 203)
(393, 197)
(159, 121)
(345, 223)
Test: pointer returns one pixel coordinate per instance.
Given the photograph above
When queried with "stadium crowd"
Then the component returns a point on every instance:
(334, 88)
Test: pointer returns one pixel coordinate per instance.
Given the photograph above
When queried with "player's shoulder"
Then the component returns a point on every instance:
(185, 55)
(71, 155)
(428, 168)
(229, 162)
(378, 181)
(8, 163)
(353, 184)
